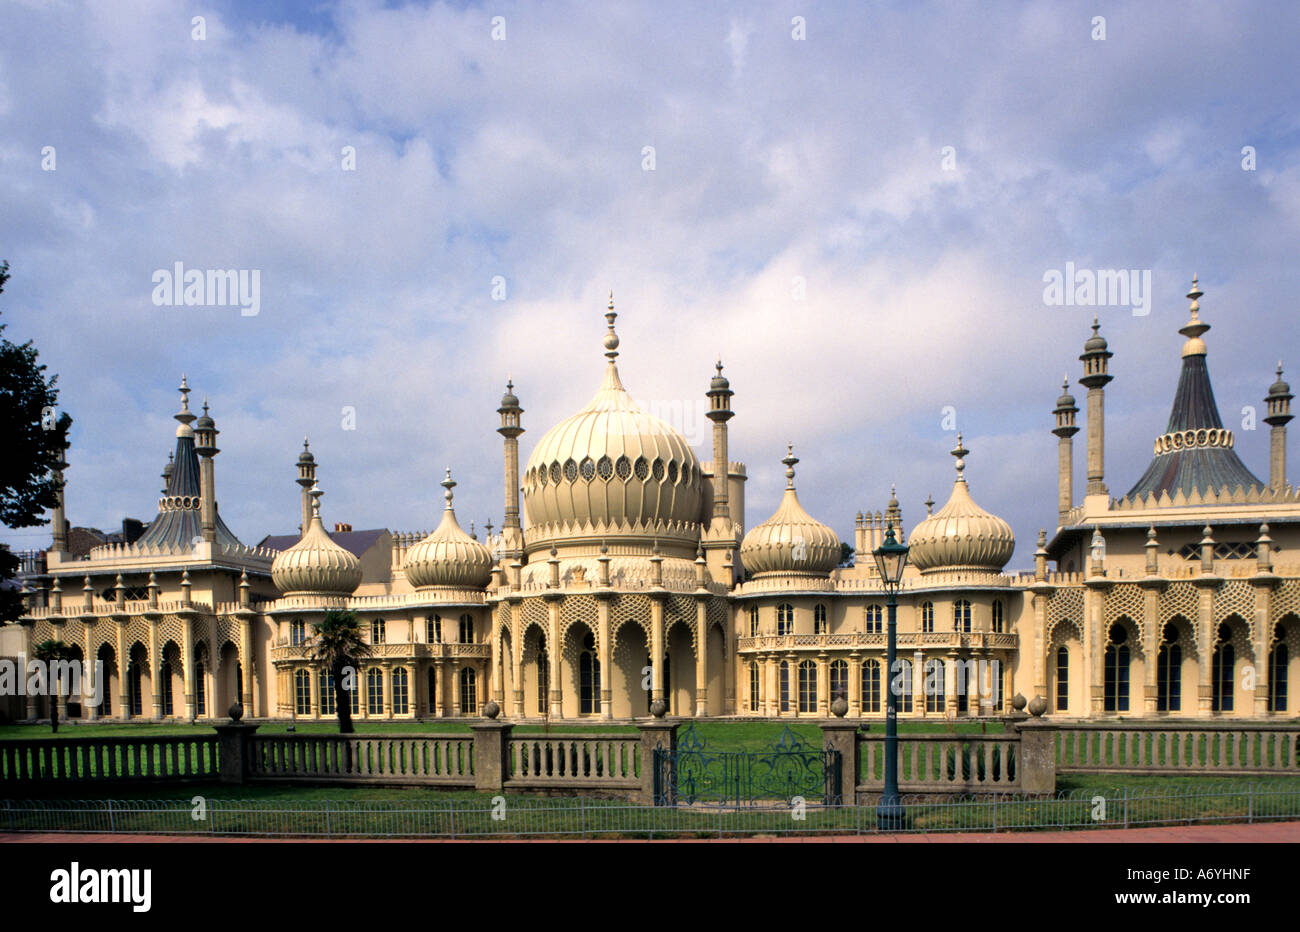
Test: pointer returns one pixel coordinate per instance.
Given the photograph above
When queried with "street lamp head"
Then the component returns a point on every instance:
(891, 559)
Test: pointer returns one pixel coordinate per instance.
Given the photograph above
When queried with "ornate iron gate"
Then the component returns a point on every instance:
(791, 767)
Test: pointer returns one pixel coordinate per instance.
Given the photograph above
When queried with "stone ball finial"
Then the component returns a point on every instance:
(236, 712)
(1018, 702)
(840, 707)
(658, 708)
(1037, 706)
(491, 710)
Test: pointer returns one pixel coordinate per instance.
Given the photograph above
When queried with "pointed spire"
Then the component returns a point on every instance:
(185, 415)
(448, 483)
(929, 505)
(1194, 327)
(961, 453)
(611, 338)
(789, 461)
(315, 494)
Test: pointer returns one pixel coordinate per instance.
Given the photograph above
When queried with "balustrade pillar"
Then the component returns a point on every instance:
(701, 659)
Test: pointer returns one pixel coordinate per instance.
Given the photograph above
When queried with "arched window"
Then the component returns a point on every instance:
(399, 690)
(543, 677)
(997, 616)
(377, 631)
(467, 629)
(106, 658)
(807, 686)
(1062, 679)
(325, 685)
(433, 629)
(753, 621)
(961, 616)
(137, 691)
(935, 682)
(433, 689)
(1222, 662)
(302, 692)
(1169, 671)
(785, 686)
(900, 683)
(927, 617)
(874, 619)
(753, 686)
(819, 619)
(200, 689)
(297, 632)
(165, 681)
(1116, 660)
(375, 691)
(1277, 672)
(784, 619)
(588, 677)
(870, 686)
(839, 671)
(468, 691)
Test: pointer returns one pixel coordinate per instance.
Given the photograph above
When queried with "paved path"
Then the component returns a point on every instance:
(1275, 832)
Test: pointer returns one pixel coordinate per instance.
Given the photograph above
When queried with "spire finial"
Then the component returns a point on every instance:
(1065, 384)
(961, 453)
(719, 365)
(1193, 329)
(185, 415)
(315, 493)
(929, 505)
(789, 461)
(205, 405)
(448, 483)
(305, 446)
(611, 338)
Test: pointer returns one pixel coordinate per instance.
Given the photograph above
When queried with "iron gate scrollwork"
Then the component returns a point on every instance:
(693, 773)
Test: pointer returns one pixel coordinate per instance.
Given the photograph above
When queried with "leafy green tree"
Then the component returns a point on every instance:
(338, 646)
(47, 652)
(846, 554)
(35, 438)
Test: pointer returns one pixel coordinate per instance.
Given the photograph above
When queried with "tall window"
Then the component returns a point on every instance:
(1116, 660)
(106, 657)
(1277, 672)
(997, 616)
(543, 677)
(784, 619)
(807, 686)
(1222, 662)
(753, 686)
(588, 677)
(961, 616)
(375, 691)
(839, 679)
(200, 689)
(874, 622)
(819, 619)
(433, 689)
(1062, 679)
(871, 686)
(753, 621)
(468, 691)
(927, 617)
(433, 629)
(325, 686)
(302, 692)
(354, 694)
(467, 629)
(377, 631)
(900, 681)
(1169, 671)
(785, 686)
(137, 691)
(935, 676)
(399, 690)
(165, 681)
(297, 632)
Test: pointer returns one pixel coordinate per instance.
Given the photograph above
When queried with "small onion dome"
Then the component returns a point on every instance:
(1280, 387)
(1095, 342)
(509, 399)
(316, 564)
(306, 456)
(1066, 400)
(448, 557)
(961, 534)
(791, 541)
(205, 421)
(719, 381)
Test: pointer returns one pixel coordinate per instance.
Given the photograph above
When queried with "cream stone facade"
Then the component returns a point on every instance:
(628, 577)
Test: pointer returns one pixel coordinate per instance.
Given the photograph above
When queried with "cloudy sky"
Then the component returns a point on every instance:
(853, 204)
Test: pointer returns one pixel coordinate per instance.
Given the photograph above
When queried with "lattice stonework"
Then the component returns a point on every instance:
(1236, 597)
(171, 629)
(579, 608)
(103, 632)
(631, 607)
(534, 613)
(1124, 599)
(681, 608)
(716, 614)
(1065, 605)
(42, 631)
(1286, 599)
(1179, 598)
(137, 632)
(227, 630)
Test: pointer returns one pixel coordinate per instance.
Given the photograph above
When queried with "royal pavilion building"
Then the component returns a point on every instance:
(630, 575)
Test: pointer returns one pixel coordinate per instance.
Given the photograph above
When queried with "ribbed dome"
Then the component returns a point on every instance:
(448, 557)
(791, 541)
(961, 534)
(610, 471)
(316, 564)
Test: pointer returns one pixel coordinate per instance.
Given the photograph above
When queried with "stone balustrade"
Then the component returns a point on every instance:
(1219, 748)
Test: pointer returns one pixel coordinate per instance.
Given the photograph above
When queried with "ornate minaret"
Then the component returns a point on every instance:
(306, 479)
(1279, 413)
(1065, 429)
(1095, 360)
(205, 445)
(512, 535)
(719, 395)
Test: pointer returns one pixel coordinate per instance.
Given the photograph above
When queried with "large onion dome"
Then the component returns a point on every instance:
(448, 557)
(961, 535)
(791, 542)
(612, 472)
(316, 565)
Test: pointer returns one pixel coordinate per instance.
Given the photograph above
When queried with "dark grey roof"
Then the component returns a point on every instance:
(355, 542)
(1200, 468)
(179, 526)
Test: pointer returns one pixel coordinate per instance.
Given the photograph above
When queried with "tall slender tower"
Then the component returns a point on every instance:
(512, 535)
(719, 395)
(1279, 414)
(1095, 360)
(205, 445)
(59, 518)
(306, 479)
(1065, 429)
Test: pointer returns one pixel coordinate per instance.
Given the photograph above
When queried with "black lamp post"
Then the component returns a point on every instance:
(891, 558)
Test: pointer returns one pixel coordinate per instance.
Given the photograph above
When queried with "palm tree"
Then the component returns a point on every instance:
(47, 652)
(338, 646)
